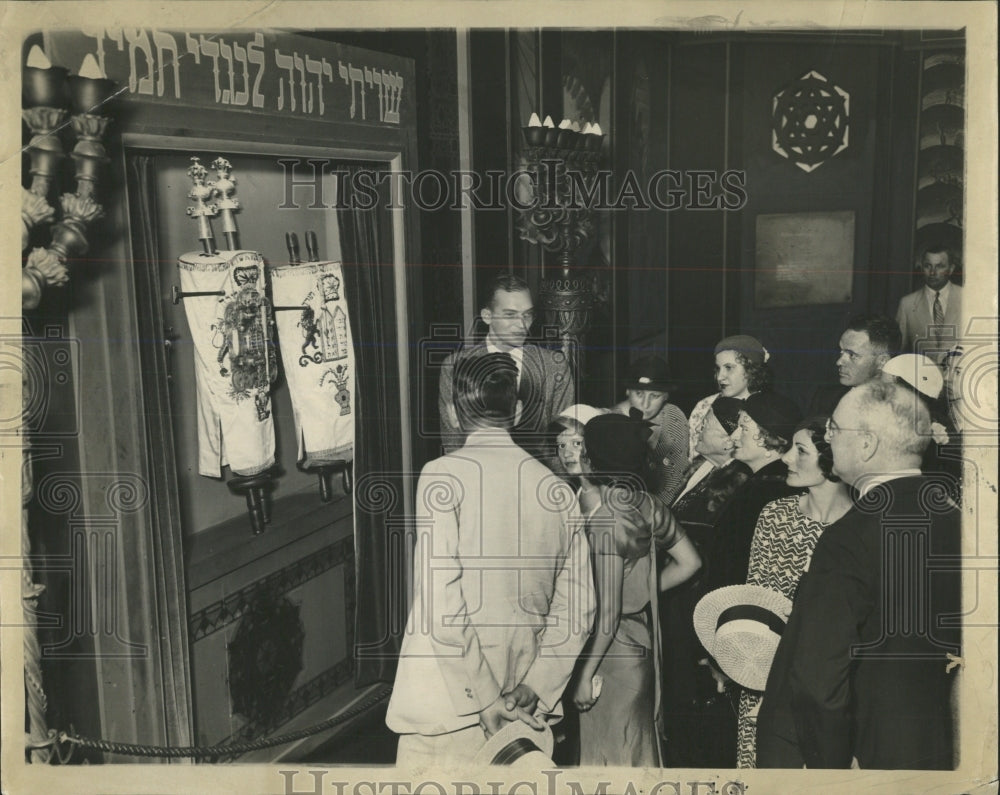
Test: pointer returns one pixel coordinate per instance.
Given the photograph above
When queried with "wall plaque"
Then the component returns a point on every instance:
(804, 259)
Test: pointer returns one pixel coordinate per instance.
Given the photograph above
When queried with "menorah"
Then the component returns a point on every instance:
(563, 164)
(49, 95)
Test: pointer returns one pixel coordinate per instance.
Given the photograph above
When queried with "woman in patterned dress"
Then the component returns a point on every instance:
(740, 371)
(785, 536)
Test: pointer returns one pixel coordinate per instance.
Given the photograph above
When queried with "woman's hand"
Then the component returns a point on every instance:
(721, 680)
(583, 694)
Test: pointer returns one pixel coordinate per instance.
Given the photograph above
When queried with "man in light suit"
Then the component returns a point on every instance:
(933, 312)
(503, 596)
(545, 381)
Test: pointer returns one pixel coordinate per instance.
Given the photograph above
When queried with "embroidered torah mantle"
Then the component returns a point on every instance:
(318, 354)
(235, 360)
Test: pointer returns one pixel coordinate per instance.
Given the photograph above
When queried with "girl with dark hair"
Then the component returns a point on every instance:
(784, 539)
(619, 728)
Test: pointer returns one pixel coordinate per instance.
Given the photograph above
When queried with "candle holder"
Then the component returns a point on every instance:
(43, 268)
(89, 153)
(564, 167)
(45, 148)
(88, 94)
(44, 87)
(69, 240)
(43, 97)
(48, 95)
(34, 210)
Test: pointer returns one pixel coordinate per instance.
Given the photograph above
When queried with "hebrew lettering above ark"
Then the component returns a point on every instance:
(390, 90)
(163, 64)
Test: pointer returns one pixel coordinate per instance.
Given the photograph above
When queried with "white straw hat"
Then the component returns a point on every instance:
(518, 745)
(740, 626)
(918, 371)
(581, 412)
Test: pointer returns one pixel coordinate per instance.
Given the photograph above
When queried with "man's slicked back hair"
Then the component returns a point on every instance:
(883, 332)
(485, 390)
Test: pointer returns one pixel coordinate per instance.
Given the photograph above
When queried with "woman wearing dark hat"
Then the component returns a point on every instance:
(740, 371)
(694, 709)
(617, 685)
(766, 425)
(648, 389)
(697, 500)
(783, 541)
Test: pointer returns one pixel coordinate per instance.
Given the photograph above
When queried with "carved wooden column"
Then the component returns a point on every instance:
(35, 699)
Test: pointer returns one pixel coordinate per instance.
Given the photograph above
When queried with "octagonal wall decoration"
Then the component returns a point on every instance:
(810, 119)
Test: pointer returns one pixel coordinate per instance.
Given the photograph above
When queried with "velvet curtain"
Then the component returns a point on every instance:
(367, 254)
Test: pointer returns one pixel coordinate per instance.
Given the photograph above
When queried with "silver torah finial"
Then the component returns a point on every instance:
(225, 187)
(202, 192)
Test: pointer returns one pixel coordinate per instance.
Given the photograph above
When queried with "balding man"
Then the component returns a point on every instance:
(863, 670)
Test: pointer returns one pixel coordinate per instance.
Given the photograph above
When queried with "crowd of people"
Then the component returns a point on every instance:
(747, 586)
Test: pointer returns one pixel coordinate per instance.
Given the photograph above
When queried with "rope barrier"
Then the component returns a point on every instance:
(212, 751)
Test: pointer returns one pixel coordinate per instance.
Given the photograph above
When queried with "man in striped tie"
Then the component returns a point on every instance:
(929, 318)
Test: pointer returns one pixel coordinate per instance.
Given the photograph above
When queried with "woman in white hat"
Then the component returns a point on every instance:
(943, 456)
(785, 536)
(570, 455)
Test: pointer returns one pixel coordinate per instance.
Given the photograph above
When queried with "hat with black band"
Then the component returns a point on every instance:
(519, 745)
(740, 626)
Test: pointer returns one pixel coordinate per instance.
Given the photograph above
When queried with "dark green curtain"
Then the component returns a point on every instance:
(366, 251)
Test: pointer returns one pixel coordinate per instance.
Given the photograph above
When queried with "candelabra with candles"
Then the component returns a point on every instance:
(563, 165)
(49, 95)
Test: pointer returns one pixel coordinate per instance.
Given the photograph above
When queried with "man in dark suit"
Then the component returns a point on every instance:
(865, 668)
(868, 342)
(937, 306)
(545, 381)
